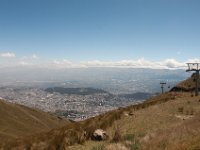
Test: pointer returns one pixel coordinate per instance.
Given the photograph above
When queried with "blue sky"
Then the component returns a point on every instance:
(104, 30)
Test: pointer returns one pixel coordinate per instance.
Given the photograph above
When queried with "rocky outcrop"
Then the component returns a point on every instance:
(99, 135)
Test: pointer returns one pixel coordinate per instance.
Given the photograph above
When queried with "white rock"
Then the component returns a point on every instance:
(100, 135)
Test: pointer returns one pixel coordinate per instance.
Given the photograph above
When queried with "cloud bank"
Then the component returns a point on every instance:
(140, 63)
(35, 61)
(7, 55)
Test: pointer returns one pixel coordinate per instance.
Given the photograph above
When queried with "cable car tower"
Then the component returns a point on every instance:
(162, 86)
(195, 67)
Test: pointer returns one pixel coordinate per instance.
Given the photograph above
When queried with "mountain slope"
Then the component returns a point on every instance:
(17, 121)
(187, 85)
(172, 125)
(169, 121)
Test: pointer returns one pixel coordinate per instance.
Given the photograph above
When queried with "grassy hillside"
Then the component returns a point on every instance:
(173, 125)
(17, 121)
(187, 85)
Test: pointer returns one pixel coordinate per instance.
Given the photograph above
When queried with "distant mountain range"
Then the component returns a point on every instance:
(90, 91)
(77, 91)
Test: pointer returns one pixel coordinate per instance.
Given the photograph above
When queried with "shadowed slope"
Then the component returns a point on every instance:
(17, 121)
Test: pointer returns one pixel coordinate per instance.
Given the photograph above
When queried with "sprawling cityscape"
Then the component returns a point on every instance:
(73, 106)
(105, 89)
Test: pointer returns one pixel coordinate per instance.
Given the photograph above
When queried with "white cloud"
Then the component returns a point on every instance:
(172, 63)
(59, 64)
(24, 63)
(62, 62)
(7, 55)
(140, 63)
(34, 56)
(135, 63)
(194, 60)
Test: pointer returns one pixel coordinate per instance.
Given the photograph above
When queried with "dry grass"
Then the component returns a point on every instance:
(117, 135)
(18, 121)
(181, 137)
(116, 146)
(187, 85)
(152, 125)
(74, 133)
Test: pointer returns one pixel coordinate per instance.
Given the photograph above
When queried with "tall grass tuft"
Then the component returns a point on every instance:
(98, 147)
(117, 135)
(133, 142)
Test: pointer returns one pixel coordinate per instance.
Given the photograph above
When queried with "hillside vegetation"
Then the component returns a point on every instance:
(172, 125)
(187, 85)
(170, 121)
(19, 121)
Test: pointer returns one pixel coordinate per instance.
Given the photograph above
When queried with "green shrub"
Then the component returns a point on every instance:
(98, 147)
(134, 142)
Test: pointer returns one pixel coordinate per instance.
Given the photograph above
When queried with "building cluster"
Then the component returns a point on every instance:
(74, 106)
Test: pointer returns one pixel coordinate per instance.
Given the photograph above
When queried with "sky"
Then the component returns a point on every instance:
(84, 33)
